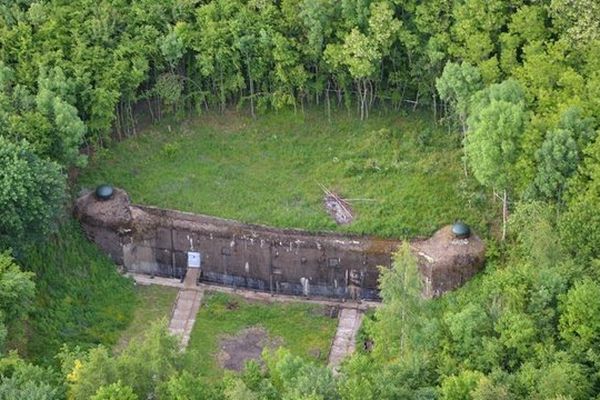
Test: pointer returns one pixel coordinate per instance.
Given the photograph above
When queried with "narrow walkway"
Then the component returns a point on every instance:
(344, 341)
(142, 279)
(186, 307)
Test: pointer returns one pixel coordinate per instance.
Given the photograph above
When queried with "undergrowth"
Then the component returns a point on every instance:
(81, 299)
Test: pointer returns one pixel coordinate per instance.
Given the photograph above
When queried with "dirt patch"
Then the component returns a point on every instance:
(232, 305)
(248, 344)
(444, 248)
(338, 208)
(114, 213)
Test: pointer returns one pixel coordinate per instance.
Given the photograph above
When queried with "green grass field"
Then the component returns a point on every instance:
(152, 304)
(269, 171)
(303, 328)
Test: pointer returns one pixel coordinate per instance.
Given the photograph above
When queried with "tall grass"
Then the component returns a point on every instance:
(405, 171)
(81, 298)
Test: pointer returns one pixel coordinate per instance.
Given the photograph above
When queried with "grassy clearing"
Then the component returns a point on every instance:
(304, 328)
(81, 299)
(268, 171)
(152, 303)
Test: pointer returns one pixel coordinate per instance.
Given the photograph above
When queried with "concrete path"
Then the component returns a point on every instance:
(344, 341)
(186, 307)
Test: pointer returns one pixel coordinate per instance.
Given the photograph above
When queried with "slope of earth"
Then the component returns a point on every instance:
(400, 174)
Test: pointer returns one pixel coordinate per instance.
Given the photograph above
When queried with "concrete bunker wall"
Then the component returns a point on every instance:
(255, 257)
(156, 241)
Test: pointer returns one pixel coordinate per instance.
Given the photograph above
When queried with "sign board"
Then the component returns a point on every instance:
(193, 259)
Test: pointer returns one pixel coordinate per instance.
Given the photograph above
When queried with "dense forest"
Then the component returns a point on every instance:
(517, 82)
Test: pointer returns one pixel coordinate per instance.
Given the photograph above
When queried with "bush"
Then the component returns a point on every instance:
(32, 193)
(82, 299)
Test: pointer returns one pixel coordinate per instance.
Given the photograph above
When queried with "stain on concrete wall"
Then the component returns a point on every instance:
(155, 241)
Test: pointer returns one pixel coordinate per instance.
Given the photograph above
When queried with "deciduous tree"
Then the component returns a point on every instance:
(496, 124)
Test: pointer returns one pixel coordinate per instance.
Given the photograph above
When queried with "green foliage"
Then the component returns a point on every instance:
(17, 290)
(579, 18)
(494, 142)
(32, 193)
(45, 119)
(580, 224)
(496, 125)
(459, 387)
(114, 391)
(81, 299)
(295, 378)
(562, 379)
(21, 380)
(237, 389)
(579, 322)
(357, 380)
(557, 161)
(559, 155)
(533, 226)
(153, 304)
(185, 386)
(457, 84)
(137, 372)
(399, 321)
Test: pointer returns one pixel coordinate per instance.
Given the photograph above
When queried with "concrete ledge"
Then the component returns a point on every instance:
(146, 280)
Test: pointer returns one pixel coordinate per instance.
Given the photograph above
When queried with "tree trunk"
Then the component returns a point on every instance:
(252, 99)
(463, 125)
(359, 102)
(416, 103)
(152, 117)
(251, 89)
(118, 121)
(131, 118)
(504, 213)
(434, 105)
(328, 102)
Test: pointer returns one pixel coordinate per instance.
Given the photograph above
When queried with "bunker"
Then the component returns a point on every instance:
(156, 241)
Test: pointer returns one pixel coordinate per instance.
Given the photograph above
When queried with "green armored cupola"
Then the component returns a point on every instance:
(461, 230)
(104, 192)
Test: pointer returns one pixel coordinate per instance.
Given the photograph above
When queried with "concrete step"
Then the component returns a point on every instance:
(187, 305)
(344, 342)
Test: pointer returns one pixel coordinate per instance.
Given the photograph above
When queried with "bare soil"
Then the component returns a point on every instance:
(248, 344)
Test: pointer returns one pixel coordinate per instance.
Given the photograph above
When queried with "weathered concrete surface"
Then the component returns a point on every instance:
(106, 222)
(186, 307)
(344, 342)
(447, 262)
(155, 241)
(363, 305)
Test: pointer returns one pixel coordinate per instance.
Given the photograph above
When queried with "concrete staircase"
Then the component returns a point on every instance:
(186, 307)
(344, 342)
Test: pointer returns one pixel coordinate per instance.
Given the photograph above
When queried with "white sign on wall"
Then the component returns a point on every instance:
(193, 259)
